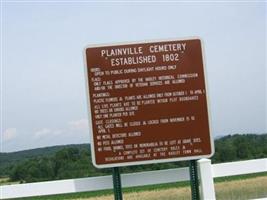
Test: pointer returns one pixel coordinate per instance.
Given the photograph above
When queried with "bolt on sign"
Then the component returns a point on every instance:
(147, 102)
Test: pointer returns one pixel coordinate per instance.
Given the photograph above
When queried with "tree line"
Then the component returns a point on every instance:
(74, 162)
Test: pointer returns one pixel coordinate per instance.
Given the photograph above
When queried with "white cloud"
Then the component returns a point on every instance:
(42, 132)
(80, 125)
(58, 132)
(74, 132)
(9, 134)
(47, 132)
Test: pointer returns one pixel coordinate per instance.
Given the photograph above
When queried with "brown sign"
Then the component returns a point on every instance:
(148, 102)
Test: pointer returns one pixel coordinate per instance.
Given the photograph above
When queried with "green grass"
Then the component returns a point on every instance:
(242, 189)
(139, 188)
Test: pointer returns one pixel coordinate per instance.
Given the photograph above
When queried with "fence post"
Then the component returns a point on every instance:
(206, 179)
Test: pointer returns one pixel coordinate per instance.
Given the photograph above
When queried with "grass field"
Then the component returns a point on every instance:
(237, 189)
(227, 188)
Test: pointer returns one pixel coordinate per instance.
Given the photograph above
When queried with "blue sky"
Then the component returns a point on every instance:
(43, 91)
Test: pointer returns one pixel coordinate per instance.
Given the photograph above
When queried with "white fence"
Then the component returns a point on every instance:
(206, 172)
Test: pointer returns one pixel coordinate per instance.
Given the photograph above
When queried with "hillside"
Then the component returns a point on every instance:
(8, 160)
(74, 161)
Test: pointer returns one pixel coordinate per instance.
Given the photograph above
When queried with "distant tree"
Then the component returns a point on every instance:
(73, 162)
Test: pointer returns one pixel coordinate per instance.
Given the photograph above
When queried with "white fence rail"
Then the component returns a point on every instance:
(207, 173)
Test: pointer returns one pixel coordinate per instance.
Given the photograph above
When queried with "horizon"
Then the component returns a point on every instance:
(43, 86)
(59, 145)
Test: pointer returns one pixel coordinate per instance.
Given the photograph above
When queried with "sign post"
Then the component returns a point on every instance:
(147, 103)
(117, 183)
(194, 180)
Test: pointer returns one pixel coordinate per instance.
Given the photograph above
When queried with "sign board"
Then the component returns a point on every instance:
(147, 102)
